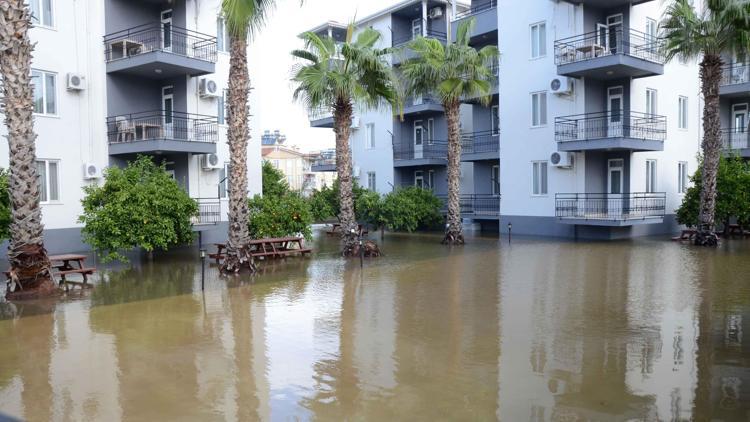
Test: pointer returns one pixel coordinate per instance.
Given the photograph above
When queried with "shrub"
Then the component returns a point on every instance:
(325, 204)
(280, 216)
(4, 205)
(274, 181)
(138, 206)
(411, 208)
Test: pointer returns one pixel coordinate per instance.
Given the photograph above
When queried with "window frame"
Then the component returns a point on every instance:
(221, 107)
(652, 176)
(536, 171)
(540, 103)
(47, 192)
(222, 37)
(539, 42)
(652, 99)
(683, 105)
(372, 181)
(37, 23)
(495, 120)
(44, 74)
(224, 184)
(370, 136)
(495, 179)
(683, 178)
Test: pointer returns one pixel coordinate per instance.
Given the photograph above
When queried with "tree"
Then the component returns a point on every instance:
(30, 267)
(138, 206)
(337, 76)
(326, 203)
(5, 218)
(722, 28)
(452, 72)
(274, 181)
(280, 216)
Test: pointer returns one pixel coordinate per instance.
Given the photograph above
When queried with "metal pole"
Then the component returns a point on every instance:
(510, 229)
(203, 269)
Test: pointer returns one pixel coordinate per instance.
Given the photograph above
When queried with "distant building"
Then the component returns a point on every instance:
(273, 138)
(297, 167)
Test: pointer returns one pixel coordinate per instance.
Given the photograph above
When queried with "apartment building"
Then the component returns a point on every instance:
(590, 132)
(120, 78)
(297, 167)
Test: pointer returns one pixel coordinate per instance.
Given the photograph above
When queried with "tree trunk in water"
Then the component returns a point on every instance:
(710, 72)
(342, 122)
(237, 254)
(29, 264)
(454, 234)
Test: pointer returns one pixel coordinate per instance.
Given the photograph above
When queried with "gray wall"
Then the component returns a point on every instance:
(726, 110)
(132, 94)
(482, 117)
(596, 170)
(483, 177)
(596, 95)
(124, 14)
(405, 130)
(593, 16)
(404, 176)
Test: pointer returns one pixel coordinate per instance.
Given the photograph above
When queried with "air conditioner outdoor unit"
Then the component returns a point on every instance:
(436, 12)
(356, 171)
(210, 162)
(208, 88)
(355, 122)
(564, 160)
(562, 86)
(76, 82)
(91, 171)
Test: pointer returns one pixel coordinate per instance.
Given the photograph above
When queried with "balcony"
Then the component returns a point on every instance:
(735, 81)
(152, 52)
(209, 212)
(494, 87)
(614, 210)
(324, 165)
(485, 13)
(426, 153)
(422, 105)
(321, 117)
(480, 146)
(610, 55)
(478, 207)
(161, 132)
(736, 141)
(405, 53)
(605, 4)
(624, 131)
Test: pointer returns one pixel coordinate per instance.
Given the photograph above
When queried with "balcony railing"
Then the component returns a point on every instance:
(610, 207)
(156, 125)
(154, 37)
(735, 74)
(476, 205)
(320, 113)
(476, 8)
(209, 211)
(600, 44)
(436, 150)
(430, 33)
(601, 125)
(735, 138)
(480, 142)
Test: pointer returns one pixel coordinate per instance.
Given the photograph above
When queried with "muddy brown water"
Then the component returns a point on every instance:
(535, 331)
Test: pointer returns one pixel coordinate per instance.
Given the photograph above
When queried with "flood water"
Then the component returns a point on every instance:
(539, 330)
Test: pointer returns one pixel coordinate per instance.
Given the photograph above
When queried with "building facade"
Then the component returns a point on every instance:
(297, 167)
(118, 79)
(590, 133)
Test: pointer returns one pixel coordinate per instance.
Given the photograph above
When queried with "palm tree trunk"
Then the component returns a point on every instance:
(29, 264)
(237, 253)
(454, 234)
(342, 122)
(710, 72)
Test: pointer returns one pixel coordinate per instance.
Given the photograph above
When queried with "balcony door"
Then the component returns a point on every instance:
(166, 30)
(614, 34)
(419, 137)
(167, 107)
(615, 186)
(614, 111)
(738, 137)
(416, 28)
(419, 179)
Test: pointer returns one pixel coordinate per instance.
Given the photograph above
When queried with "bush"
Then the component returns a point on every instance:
(138, 206)
(279, 216)
(274, 181)
(4, 205)
(325, 204)
(411, 208)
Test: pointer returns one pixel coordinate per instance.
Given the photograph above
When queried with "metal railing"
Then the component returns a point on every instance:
(429, 149)
(320, 113)
(155, 37)
(321, 162)
(476, 8)
(735, 74)
(479, 142)
(209, 211)
(735, 138)
(609, 206)
(476, 205)
(429, 33)
(600, 44)
(418, 101)
(600, 125)
(153, 125)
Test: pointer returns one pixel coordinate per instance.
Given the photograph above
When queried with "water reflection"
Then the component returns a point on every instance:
(538, 331)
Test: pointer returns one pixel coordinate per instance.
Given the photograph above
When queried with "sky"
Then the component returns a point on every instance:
(270, 66)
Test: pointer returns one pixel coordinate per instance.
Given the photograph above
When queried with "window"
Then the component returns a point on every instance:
(370, 136)
(652, 34)
(49, 180)
(371, 181)
(430, 131)
(650, 176)
(221, 107)
(222, 36)
(45, 92)
(538, 40)
(495, 120)
(682, 118)
(431, 180)
(651, 101)
(539, 178)
(419, 179)
(224, 182)
(682, 177)
(276, 164)
(41, 12)
(495, 180)
(538, 109)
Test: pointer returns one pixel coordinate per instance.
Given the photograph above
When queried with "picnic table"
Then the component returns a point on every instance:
(68, 264)
(279, 247)
(336, 227)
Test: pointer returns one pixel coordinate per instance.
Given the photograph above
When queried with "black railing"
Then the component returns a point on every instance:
(480, 142)
(474, 205)
(600, 44)
(610, 207)
(425, 99)
(437, 150)
(429, 33)
(209, 211)
(735, 74)
(153, 125)
(154, 37)
(631, 124)
(735, 138)
(476, 8)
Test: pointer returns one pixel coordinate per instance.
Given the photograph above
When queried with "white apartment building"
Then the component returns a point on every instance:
(589, 134)
(119, 78)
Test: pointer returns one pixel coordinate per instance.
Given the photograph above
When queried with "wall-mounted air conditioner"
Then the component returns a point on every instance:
(562, 86)
(76, 82)
(564, 160)
(208, 88)
(91, 171)
(436, 13)
(211, 162)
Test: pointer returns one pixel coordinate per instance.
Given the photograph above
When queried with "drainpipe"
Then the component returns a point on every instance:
(424, 18)
(449, 19)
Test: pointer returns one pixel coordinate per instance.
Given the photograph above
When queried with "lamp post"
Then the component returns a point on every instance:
(361, 250)
(510, 229)
(203, 269)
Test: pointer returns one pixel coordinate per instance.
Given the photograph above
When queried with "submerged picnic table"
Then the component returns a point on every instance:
(279, 247)
(337, 228)
(68, 264)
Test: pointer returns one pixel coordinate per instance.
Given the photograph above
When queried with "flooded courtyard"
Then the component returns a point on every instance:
(534, 331)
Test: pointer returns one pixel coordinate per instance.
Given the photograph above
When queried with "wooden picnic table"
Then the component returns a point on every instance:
(279, 247)
(336, 227)
(67, 264)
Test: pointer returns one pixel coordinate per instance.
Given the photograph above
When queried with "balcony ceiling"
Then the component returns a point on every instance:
(606, 4)
(160, 65)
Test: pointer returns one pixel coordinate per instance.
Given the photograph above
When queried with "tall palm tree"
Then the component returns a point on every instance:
(29, 264)
(721, 29)
(336, 76)
(451, 72)
(242, 18)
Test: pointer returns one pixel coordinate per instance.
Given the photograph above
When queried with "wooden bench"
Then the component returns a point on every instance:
(271, 247)
(65, 265)
(336, 228)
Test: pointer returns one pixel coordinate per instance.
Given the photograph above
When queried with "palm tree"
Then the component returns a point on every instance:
(242, 18)
(336, 76)
(451, 72)
(721, 29)
(29, 265)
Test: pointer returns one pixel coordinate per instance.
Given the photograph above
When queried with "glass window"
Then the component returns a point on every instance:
(538, 109)
(42, 13)
(222, 36)
(495, 120)
(49, 180)
(651, 107)
(221, 107)
(682, 113)
(224, 182)
(495, 180)
(650, 176)
(539, 178)
(371, 181)
(431, 180)
(45, 92)
(370, 136)
(538, 40)
(682, 177)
